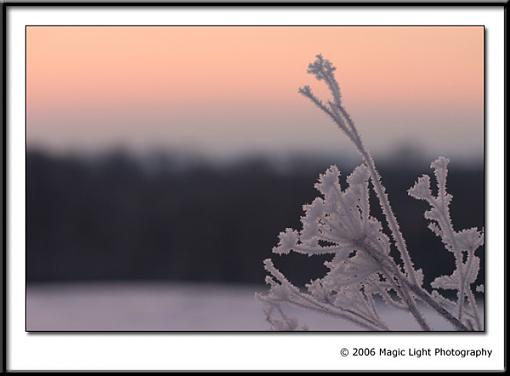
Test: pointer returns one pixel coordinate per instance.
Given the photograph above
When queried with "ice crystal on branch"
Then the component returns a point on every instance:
(462, 244)
(338, 225)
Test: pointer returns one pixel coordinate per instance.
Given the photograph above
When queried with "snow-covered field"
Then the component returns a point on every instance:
(174, 307)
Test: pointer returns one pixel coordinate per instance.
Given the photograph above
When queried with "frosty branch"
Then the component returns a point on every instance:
(339, 225)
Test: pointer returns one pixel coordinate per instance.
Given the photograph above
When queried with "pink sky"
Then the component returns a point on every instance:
(224, 90)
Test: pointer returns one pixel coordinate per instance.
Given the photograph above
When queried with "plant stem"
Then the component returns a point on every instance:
(422, 294)
(389, 269)
(325, 309)
(472, 301)
(447, 227)
(390, 216)
(412, 283)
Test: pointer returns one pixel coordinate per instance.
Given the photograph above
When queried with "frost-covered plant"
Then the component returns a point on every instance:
(338, 224)
(462, 244)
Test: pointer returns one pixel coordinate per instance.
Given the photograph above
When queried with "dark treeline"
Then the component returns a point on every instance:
(116, 218)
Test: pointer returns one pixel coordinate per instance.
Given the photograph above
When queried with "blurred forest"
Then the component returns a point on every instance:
(162, 217)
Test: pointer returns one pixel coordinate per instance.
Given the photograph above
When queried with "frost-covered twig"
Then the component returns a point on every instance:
(282, 291)
(462, 244)
(284, 323)
(339, 224)
(324, 70)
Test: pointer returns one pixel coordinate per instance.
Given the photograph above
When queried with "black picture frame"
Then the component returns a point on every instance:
(7, 5)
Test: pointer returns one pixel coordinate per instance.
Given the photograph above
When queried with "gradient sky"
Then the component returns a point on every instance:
(230, 90)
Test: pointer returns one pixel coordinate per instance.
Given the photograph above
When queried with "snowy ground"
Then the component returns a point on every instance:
(172, 307)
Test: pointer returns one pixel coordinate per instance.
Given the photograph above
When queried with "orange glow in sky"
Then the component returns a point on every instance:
(230, 87)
